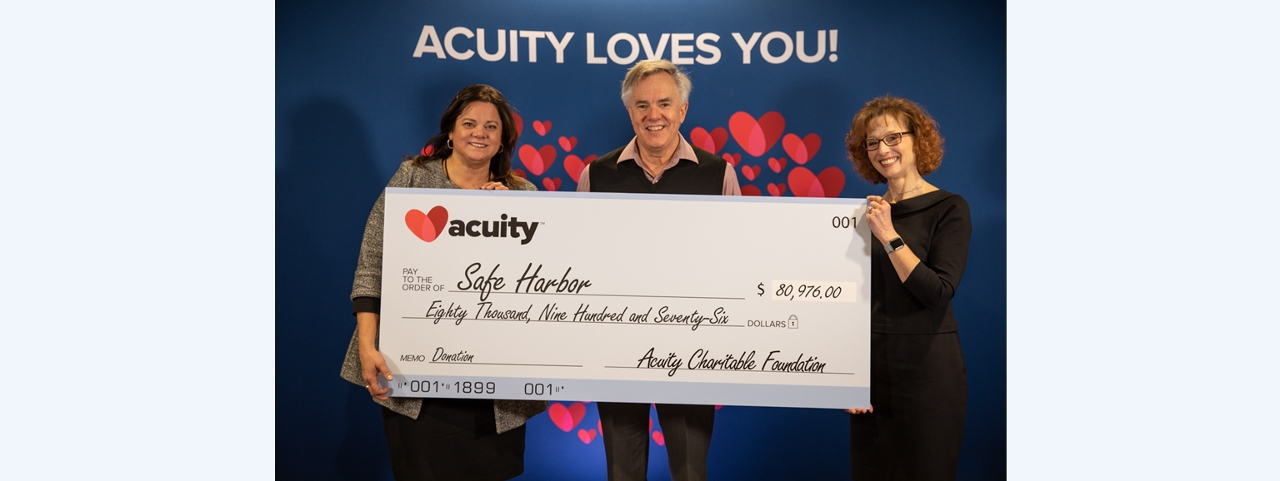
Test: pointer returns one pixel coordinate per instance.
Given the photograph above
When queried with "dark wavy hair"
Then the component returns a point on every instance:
(438, 146)
(925, 138)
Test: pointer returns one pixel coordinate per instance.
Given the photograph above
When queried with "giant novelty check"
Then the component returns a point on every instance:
(758, 301)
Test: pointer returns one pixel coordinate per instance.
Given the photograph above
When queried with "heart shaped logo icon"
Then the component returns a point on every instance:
(750, 190)
(733, 159)
(756, 136)
(659, 438)
(828, 183)
(568, 143)
(801, 150)
(537, 160)
(777, 189)
(776, 164)
(566, 418)
(586, 436)
(709, 141)
(542, 126)
(551, 183)
(427, 226)
(574, 165)
(750, 172)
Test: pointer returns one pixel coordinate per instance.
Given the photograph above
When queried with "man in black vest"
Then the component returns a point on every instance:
(658, 161)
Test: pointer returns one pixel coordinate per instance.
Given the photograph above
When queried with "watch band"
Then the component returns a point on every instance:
(894, 244)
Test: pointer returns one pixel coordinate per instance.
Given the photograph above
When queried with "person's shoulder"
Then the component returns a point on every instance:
(704, 156)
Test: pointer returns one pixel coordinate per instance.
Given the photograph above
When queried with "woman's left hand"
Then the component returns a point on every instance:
(880, 219)
(492, 186)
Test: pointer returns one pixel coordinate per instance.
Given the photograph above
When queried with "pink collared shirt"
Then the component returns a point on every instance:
(683, 151)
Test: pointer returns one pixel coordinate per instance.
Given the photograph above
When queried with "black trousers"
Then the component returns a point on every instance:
(919, 390)
(452, 439)
(687, 432)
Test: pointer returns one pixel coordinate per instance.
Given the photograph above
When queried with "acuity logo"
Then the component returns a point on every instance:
(430, 225)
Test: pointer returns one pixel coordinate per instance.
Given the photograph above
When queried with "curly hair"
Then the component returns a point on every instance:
(926, 140)
(438, 146)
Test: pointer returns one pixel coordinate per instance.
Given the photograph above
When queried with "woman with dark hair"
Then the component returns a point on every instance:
(913, 427)
(431, 438)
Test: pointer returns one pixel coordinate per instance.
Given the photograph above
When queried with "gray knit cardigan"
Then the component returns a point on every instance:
(368, 283)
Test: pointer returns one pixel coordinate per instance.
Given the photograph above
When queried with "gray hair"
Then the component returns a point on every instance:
(645, 68)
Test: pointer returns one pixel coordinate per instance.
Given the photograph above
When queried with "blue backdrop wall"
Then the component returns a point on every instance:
(359, 85)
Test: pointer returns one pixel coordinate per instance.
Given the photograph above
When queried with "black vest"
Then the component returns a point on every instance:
(706, 176)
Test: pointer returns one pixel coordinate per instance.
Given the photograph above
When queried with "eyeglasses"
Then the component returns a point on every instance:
(890, 140)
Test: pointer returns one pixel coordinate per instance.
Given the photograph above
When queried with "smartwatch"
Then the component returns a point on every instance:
(894, 244)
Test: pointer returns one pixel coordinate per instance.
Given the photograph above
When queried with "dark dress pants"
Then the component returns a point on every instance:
(685, 427)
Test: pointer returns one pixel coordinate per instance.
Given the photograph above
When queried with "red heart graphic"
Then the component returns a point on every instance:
(801, 151)
(658, 438)
(427, 150)
(777, 189)
(750, 190)
(803, 183)
(776, 165)
(573, 165)
(537, 160)
(750, 172)
(542, 126)
(566, 418)
(519, 123)
(568, 143)
(427, 226)
(710, 142)
(551, 183)
(520, 173)
(586, 436)
(600, 426)
(733, 159)
(756, 137)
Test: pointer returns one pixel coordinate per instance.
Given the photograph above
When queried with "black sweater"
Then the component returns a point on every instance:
(936, 227)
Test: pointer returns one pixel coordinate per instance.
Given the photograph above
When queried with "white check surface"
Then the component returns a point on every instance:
(642, 298)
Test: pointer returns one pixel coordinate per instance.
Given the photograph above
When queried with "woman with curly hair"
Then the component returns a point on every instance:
(913, 427)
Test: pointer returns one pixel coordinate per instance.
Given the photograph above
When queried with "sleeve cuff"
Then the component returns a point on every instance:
(366, 304)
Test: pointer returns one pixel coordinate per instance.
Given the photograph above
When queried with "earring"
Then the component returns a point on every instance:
(449, 143)
(499, 148)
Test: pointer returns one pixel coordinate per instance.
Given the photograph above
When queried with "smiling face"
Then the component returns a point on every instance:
(892, 161)
(656, 112)
(477, 134)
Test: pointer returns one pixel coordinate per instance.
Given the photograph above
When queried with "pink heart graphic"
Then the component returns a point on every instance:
(566, 418)
(828, 183)
(710, 142)
(659, 438)
(519, 123)
(733, 159)
(776, 164)
(427, 226)
(750, 190)
(573, 165)
(777, 189)
(551, 183)
(801, 150)
(756, 137)
(428, 149)
(568, 143)
(586, 436)
(542, 126)
(537, 160)
(750, 172)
